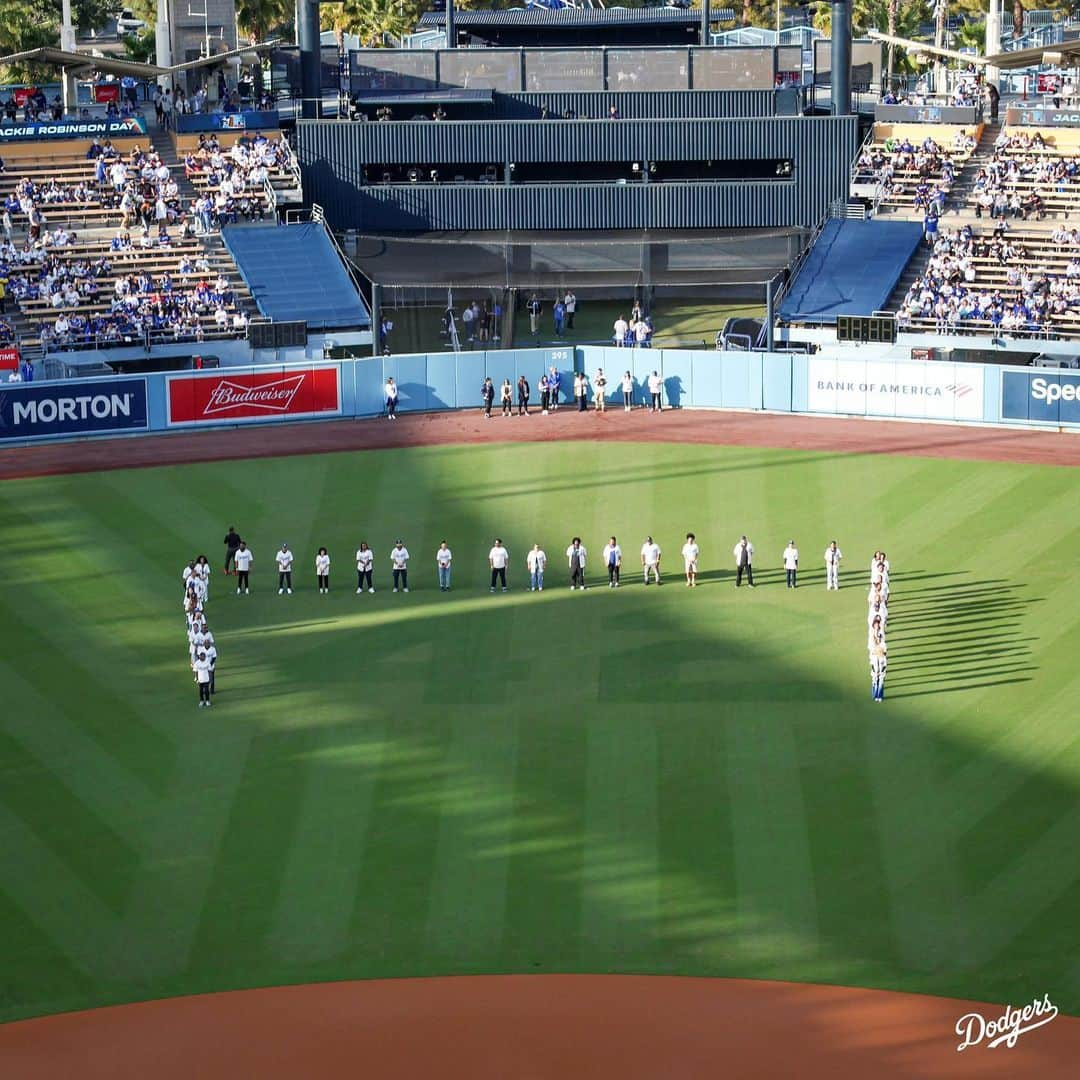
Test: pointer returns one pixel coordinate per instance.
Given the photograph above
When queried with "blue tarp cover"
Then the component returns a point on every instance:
(294, 272)
(852, 269)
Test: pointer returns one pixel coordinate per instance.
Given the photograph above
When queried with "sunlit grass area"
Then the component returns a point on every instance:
(636, 780)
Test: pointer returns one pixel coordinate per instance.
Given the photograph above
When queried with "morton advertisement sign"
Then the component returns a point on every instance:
(924, 390)
(222, 397)
(91, 407)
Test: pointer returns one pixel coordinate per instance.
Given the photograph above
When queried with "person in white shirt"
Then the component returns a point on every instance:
(880, 579)
(878, 610)
(242, 560)
(536, 562)
(196, 640)
(284, 565)
(619, 331)
(879, 556)
(443, 558)
(391, 391)
(878, 665)
(188, 574)
(202, 571)
(575, 557)
(744, 562)
(15, 376)
(613, 562)
(650, 560)
(322, 570)
(399, 561)
(202, 677)
(498, 557)
(365, 557)
(210, 651)
(690, 553)
(655, 386)
(833, 555)
(791, 564)
(627, 391)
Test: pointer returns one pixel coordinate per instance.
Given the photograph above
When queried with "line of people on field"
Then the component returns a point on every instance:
(202, 649)
(877, 619)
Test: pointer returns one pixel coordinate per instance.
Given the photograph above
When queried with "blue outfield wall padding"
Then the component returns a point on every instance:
(852, 269)
(294, 272)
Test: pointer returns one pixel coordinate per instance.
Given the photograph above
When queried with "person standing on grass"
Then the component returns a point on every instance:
(210, 650)
(558, 314)
(284, 565)
(232, 542)
(575, 557)
(613, 562)
(570, 304)
(506, 396)
(599, 389)
(487, 395)
(202, 572)
(202, 678)
(650, 560)
(498, 557)
(322, 570)
(443, 558)
(243, 561)
(535, 308)
(536, 562)
(365, 559)
(545, 394)
(791, 564)
(690, 553)
(744, 562)
(399, 561)
(555, 385)
(618, 332)
(391, 398)
(878, 666)
(523, 395)
(833, 556)
(627, 391)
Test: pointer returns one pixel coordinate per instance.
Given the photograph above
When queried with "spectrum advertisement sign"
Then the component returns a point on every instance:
(90, 407)
(1042, 397)
(222, 397)
(921, 389)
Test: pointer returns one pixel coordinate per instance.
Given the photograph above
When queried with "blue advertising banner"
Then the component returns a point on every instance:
(1041, 397)
(254, 120)
(73, 129)
(93, 407)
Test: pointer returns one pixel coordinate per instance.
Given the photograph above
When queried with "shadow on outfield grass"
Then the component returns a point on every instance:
(968, 637)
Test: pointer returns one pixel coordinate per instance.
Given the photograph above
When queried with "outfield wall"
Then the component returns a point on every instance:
(824, 384)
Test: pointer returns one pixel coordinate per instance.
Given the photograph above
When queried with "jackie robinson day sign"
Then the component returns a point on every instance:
(221, 397)
(925, 390)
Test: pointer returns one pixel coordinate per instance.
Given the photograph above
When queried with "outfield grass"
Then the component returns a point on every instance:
(681, 323)
(667, 781)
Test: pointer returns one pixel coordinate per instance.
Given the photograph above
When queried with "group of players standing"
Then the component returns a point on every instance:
(877, 619)
(202, 650)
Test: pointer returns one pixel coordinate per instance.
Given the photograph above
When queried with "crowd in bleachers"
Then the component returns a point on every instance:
(919, 174)
(231, 180)
(996, 280)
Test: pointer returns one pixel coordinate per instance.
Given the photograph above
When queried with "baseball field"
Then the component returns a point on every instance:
(648, 780)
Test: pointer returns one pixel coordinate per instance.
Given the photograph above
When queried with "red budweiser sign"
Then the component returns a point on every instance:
(219, 397)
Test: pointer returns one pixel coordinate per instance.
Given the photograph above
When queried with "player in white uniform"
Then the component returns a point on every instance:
(690, 553)
(443, 558)
(613, 562)
(201, 668)
(284, 565)
(833, 555)
(322, 570)
(791, 565)
(399, 562)
(498, 558)
(650, 560)
(365, 558)
(210, 651)
(202, 570)
(536, 563)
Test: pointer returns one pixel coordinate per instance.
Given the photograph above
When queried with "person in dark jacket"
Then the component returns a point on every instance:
(232, 542)
(487, 394)
(523, 395)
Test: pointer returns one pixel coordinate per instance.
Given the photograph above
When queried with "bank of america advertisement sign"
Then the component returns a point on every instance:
(1041, 397)
(924, 390)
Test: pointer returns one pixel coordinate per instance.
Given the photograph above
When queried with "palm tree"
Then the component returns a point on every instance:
(893, 11)
(257, 18)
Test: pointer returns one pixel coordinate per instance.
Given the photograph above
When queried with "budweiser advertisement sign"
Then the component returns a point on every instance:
(219, 397)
